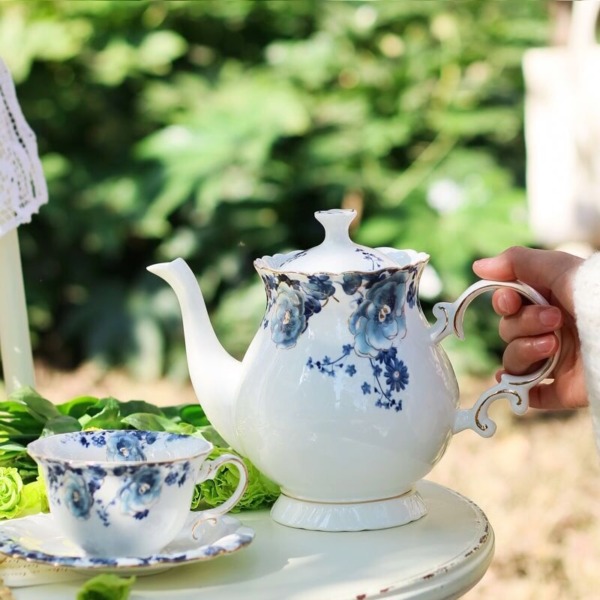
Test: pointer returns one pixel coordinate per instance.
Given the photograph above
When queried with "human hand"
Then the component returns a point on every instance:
(529, 329)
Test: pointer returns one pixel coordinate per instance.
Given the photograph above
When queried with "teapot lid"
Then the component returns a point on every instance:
(339, 254)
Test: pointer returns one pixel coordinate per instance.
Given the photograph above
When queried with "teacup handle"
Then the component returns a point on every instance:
(450, 317)
(208, 470)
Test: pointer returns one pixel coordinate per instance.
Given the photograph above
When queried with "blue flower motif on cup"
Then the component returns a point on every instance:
(288, 320)
(177, 475)
(99, 440)
(379, 319)
(77, 496)
(54, 475)
(95, 482)
(141, 491)
(124, 446)
(149, 437)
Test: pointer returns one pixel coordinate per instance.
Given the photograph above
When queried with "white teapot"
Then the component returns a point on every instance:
(345, 397)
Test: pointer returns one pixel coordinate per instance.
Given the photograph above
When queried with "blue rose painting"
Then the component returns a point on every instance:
(379, 319)
(142, 490)
(124, 447)
(318, 288)
(288, 320)
(292, 302)
(376, 324)
(77, 496)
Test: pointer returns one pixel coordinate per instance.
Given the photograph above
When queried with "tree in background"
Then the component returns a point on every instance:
(213, 130)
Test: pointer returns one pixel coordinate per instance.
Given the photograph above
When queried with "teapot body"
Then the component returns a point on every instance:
(344, 398)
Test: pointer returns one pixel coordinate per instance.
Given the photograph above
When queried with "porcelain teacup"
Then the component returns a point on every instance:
(127, 493)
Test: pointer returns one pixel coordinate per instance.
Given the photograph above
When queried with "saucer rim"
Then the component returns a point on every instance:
(242, 536)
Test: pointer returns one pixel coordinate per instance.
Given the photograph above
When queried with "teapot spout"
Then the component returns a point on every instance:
(215, 374)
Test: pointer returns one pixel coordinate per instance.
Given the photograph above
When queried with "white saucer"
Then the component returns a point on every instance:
(38, 539)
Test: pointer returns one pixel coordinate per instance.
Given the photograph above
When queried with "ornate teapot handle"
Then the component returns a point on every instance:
(450, 317)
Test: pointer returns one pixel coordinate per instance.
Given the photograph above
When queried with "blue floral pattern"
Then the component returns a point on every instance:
(376, 324)
(389, 375)
(379, 319)
(22, 539)
(139, 488)
(288, 320)
(124, 446)
(396, 374)
(141, 492)
(411, 295)
(76, 495)
(327, 366)
(370, 257)
(291, 303)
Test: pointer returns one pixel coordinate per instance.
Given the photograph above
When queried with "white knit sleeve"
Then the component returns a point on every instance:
(587, 311)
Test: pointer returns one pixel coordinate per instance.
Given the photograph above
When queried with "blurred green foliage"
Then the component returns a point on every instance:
(212, 130)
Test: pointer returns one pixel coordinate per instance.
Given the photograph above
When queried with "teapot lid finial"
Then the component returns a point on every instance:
(337, 253)
(336, 224)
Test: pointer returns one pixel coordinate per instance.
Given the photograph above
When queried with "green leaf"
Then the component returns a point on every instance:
(12, 447)
(138, 406)
(108, 418)
(151, 422)
(210, 434)
(260, 492)
(106, 586)
(39, 407)
(33, 499)
(61, 424)
(12, 406)
(193, 414)
(77, 407)
(12, 432)
(146, 422)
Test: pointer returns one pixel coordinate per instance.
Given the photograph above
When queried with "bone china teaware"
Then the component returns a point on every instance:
(127, 493)
(345, 397)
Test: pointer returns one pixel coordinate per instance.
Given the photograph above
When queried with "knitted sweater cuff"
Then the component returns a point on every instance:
(586, 294)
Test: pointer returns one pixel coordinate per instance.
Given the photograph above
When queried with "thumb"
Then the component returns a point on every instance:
(549, 272)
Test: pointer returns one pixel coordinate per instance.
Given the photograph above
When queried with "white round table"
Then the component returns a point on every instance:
(440, 556)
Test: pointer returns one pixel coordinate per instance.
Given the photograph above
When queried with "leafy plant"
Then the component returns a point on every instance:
(26, 416)
(213, 130)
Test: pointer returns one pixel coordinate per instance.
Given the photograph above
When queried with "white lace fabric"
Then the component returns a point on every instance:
(22, 184)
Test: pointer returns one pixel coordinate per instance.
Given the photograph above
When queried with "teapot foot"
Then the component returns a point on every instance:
(348, 516)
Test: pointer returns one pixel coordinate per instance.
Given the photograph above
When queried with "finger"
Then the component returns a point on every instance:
(541, 269)
(546, 396)
(536, 267)
(523, 353)
(506, 302)
(530, 321)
